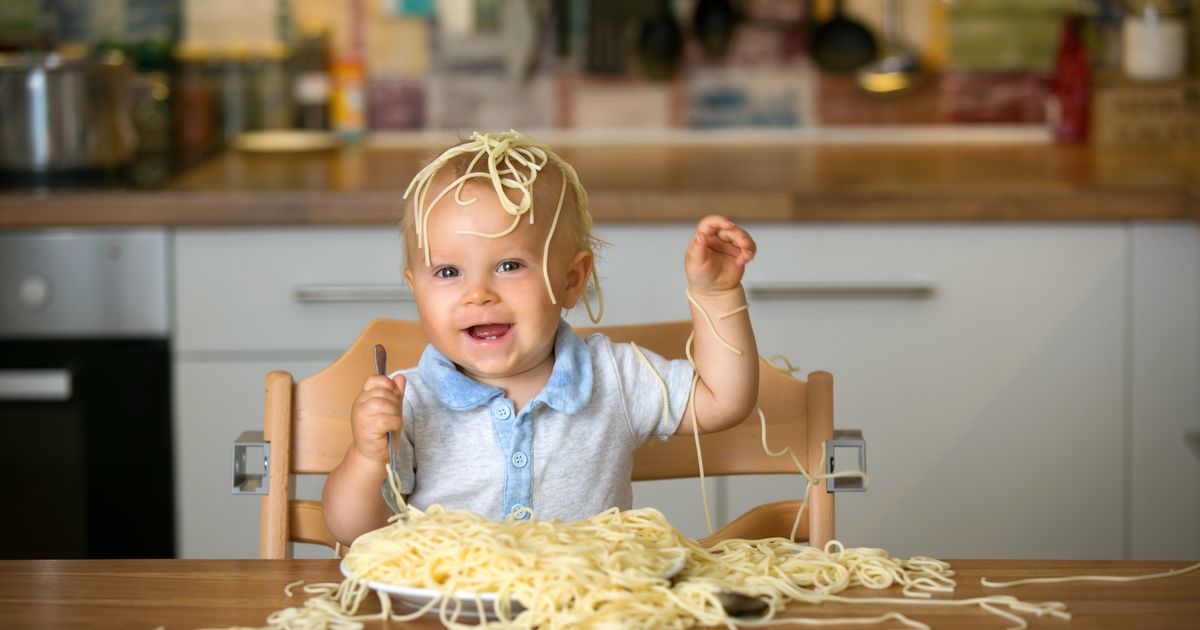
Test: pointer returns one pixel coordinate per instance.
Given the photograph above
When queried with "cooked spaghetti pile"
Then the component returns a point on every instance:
(548, 567)
(614, 569)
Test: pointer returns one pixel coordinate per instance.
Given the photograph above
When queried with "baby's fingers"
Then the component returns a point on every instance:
(379, 381)
(722, 235)
(741, 240)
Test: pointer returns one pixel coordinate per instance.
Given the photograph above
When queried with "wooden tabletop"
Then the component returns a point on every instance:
(681, 182)
(228, 593)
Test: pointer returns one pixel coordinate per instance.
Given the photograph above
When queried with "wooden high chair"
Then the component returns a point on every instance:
(307, 426)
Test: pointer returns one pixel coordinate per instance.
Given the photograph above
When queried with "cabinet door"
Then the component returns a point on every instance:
(285, 289)
(214, 402)
(1165, 502)
(993, 405)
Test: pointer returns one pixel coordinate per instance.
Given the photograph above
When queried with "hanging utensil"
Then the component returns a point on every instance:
(714, 24)
(841, 44)
(660, 43)
(897, 70)
(389, 496)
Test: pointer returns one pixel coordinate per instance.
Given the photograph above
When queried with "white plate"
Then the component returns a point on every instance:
(415, 598)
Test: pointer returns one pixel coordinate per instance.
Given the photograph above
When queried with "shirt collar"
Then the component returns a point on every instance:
(568, 390)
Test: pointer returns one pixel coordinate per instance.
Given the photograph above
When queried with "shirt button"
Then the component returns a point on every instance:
(520, 459)
(518, 513)
(502, 412)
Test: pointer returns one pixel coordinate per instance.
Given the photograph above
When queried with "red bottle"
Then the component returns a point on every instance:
(1069, 102)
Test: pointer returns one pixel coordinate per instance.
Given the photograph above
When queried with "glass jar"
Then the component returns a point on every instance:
(1154, 40)
(237, 104)
(312, 82)
(272, 87)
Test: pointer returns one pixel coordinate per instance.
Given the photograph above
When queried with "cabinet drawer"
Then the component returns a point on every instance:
(253, 290)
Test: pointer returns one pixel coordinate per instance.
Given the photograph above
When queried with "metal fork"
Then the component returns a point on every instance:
(389, 497)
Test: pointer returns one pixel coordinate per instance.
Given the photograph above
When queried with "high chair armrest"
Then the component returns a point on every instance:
(247, 479)
(846, 439)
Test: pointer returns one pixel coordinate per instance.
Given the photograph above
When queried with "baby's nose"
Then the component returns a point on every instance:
(480, 294)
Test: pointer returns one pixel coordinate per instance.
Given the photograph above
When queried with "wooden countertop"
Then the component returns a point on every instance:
(228, 593)
(749, 182)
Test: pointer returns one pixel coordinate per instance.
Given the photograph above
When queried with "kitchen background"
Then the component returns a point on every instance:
(1043, 373)
(210, 71)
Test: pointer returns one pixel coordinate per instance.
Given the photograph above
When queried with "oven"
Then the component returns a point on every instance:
(85, 448)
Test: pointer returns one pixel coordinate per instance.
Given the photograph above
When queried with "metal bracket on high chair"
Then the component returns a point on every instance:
(846, 438)
(244, 481)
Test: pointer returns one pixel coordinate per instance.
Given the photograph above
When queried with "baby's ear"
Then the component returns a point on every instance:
(577, 275)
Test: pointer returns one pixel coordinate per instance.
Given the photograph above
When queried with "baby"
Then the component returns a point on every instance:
(508, 411)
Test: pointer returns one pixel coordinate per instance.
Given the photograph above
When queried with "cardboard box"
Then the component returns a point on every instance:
(1146, 113)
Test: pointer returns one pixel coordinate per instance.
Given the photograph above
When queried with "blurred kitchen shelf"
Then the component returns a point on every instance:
(747, 179)
(873, 134)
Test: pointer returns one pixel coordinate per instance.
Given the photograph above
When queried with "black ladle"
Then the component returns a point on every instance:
(660, 44)
(841, 44)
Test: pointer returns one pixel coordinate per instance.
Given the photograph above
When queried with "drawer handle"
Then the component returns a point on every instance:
(899, 290)
(35, 385)
(324, 293)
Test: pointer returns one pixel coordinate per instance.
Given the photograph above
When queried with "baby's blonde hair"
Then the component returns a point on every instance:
(513, 164)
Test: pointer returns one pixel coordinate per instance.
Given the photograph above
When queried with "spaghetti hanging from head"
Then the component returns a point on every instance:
(511, 162)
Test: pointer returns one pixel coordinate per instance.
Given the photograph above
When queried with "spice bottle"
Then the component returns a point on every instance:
(195, 105)
(1068, 109)
(312, 84)
(1154, 40)
(348, 107)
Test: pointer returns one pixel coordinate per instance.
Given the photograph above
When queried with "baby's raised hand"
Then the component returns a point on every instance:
(717, 255)
(377, 409)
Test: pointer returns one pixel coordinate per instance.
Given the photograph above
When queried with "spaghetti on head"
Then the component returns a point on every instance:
(531, 182)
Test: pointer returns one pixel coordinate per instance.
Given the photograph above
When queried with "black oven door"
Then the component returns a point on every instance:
(85, 453)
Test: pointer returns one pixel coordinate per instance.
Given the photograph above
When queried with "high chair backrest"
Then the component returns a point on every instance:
(307, 424)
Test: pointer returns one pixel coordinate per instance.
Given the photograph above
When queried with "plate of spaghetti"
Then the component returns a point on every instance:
(461, 565)
(459, 604)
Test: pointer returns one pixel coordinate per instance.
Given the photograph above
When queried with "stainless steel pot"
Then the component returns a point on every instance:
(64, 114)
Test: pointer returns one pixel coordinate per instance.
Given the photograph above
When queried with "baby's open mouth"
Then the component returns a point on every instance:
(489, 331)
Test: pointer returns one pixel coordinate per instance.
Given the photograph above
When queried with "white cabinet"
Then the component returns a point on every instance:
(247, 302)
(993, 406)
(1164, 506)
(215, 400)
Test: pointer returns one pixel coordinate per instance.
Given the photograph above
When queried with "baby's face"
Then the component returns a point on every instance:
(483, 301)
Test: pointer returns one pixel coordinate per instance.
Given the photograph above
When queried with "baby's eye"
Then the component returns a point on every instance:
(445, 272)
(508, 265)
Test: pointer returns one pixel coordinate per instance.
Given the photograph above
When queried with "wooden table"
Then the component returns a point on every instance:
(227, 593)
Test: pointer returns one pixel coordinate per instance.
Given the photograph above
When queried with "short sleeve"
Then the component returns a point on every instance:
(643, 381)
